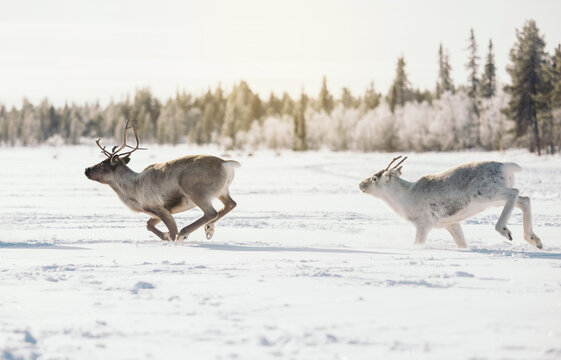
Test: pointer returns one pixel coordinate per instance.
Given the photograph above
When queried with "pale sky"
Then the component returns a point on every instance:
(78, 51)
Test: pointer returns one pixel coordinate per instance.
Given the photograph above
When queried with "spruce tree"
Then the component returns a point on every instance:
(549, 116)
(256, 108)
(241, 109)
(209, 110)
(220, 104)
(473, 83)
(444, 82)
(145, 112)
(347, 99)
(273, 106)
(300, 143)
(472, 66)
(400, 91)
(487, 86)
(555, 77)
(371, 97)
(3, 125)
(528, 74)
(555, 97)
(422, 95)
(287, 107)
(12, 126)
(325, 99)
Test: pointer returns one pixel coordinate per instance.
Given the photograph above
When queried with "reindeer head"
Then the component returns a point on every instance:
(376, 184)
(104, 171)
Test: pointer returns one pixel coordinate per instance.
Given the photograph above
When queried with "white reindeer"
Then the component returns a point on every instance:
(445, 199)
(164, 189)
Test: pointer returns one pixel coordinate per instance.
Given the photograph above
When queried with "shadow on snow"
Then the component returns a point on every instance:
(36, 246)
(518, 253)
(230, 247)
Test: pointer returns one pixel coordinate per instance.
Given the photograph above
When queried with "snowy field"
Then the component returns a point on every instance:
(306, 267)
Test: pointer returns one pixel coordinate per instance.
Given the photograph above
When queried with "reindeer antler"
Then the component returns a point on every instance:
(115, 151)
(399, 163)
(107, 153)
(391, 162)
(128, 125)
(130, 147)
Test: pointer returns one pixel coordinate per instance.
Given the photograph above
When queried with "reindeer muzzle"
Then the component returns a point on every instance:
(362, 186)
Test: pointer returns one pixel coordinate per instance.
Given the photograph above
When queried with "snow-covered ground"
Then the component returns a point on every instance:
(306, 267)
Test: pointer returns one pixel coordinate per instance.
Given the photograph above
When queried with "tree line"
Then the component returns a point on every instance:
(477, 114)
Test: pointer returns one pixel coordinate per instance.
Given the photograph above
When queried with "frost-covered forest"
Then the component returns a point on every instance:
(478, 114)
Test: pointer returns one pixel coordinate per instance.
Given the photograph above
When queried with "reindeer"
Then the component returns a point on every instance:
(445, 199)
(168, 188)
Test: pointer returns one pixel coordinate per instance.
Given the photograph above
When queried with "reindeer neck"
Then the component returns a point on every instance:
(125, 182)
(398, 196)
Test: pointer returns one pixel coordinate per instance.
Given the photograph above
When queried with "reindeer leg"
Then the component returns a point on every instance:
(151, 226)
(167, 218)
(523, 203)
(229, 205)
(456, 231)
(422, 232)
(209, 215)
(511, 196)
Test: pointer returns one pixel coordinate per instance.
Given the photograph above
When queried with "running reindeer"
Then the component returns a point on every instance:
(164, 189)
(445, 199)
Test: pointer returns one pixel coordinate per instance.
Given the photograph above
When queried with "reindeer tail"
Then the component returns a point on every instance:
(232, 163)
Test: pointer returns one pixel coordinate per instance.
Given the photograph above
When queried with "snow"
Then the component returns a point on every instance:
(306, 267)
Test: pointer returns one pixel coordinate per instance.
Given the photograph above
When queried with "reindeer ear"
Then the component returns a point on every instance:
(386, 176)
(390, 174)
(126, 159)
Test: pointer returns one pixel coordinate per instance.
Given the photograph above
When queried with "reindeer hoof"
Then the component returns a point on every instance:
(504, 232)
(209, 231)
(534, 240)
(167, 237)
(180, 237)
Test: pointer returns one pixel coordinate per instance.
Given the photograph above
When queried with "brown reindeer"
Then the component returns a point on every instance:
(164, 189)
